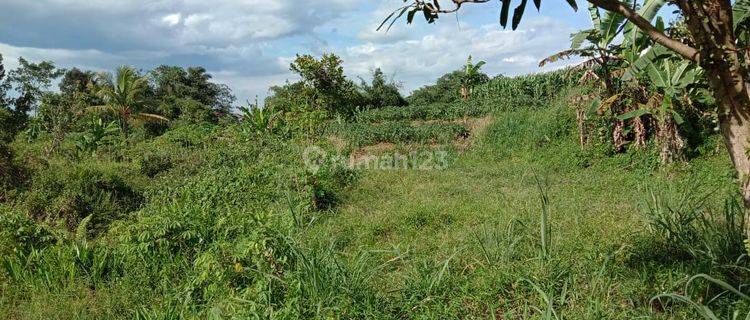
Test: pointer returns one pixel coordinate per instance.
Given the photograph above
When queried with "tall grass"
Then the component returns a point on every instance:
(363, 134)
(437, 111)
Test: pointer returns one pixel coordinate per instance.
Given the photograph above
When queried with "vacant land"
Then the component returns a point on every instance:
(466, 241)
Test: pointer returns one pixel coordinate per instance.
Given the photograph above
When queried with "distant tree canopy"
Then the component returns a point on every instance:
(287, 97)
(325, 85)
(76, 80)
(381, 92)
(189, 93)
(30, 81)
(446, 89)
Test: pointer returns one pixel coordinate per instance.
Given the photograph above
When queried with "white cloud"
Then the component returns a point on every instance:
(421, 59)
(249, 43)
(172, 19)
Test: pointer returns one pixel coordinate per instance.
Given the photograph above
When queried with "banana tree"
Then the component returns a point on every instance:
(672, 82)
(719, 46)
(472, 77)
(260, 120)
(596, 44)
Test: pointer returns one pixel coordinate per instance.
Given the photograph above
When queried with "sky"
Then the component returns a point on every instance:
(248, 44)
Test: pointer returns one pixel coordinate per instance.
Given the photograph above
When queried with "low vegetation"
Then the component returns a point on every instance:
(145, 195)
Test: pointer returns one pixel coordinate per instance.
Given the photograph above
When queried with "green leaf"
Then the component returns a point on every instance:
(577, 39)
(518, 14)
(633, 114)
(596, 17)
(656, 76)
(538, 4)
(677, 118)
(633, 35)
(651, 8)
(653, 54)
(610, 27)
(573, 4)
(504, 13)
(740, 12)
(679, 72)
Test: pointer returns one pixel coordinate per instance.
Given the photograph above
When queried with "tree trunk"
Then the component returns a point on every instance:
(581, 119)
(711, 25)
(464, 93)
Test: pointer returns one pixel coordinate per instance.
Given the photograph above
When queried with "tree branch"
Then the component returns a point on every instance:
(658, 36)
(458, 4)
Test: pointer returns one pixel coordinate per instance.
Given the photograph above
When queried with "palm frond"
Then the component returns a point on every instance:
(150, 117)
(102, 108)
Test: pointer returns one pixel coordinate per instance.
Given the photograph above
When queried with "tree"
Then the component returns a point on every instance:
(177, 87)
(75, 80)
(472, 77)
(717, 28)
(326, 85)
(123, 95)
(30, 81)
(4, 86)
(382, 93)
(446, 89)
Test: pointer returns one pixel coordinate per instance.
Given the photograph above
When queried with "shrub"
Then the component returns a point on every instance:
(11, 174)
(688, 223)
(69, 192)
(151, 164)
(19, 233)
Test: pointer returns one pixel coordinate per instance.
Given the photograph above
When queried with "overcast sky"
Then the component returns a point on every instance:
(248, 44)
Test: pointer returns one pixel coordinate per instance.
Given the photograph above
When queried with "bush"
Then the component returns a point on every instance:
(447, 89)
(152, 164)
(19, 233)
(11, 174)
(69, 192)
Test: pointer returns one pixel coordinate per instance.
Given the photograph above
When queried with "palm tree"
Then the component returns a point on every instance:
(123, 96)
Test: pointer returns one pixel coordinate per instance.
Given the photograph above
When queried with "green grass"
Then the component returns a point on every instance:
(467, 239)
(364, 134)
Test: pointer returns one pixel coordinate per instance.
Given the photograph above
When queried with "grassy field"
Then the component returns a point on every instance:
(466, 242)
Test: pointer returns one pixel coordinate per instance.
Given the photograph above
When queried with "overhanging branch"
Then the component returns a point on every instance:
(458, 3)
(657, 35)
